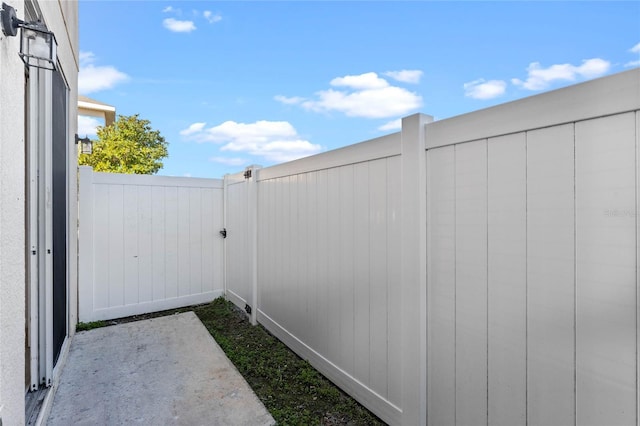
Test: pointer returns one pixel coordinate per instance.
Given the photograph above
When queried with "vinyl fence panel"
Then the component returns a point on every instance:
(238, 272)
(550, 275)
(328, 286)
(441, 290)
(471, 282)
(147, 243)
(532, 264)
(606, 270)
(507, 350)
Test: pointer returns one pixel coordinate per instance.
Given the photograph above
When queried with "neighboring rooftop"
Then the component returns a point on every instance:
(93, 108)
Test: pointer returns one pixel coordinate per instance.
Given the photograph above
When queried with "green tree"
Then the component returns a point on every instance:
(129, 145)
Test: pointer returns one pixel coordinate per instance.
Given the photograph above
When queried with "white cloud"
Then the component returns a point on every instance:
(178, 26)
(592, 68)
(186, 26)
(369, 80)
(236, 161)
(405, 76)
(289, 101)
(481, 89)
(540, 78)
(374, 103)
(192, 129)
(92, 78)
(212, 17)
(365, 95)
(86, 58)
(391, 125)
(87, 126)
(636, 63)
(275, 141)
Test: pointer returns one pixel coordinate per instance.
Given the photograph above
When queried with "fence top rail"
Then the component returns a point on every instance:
(373, 149)
(153, 180)
(604, 96)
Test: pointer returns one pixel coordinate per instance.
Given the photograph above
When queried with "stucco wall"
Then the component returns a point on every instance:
(61, 18)
(12, 235)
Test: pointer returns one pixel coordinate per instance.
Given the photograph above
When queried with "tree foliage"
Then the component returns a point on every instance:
(129, 145)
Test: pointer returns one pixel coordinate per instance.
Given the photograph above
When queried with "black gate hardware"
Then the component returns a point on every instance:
(247, 174)
(224, 232)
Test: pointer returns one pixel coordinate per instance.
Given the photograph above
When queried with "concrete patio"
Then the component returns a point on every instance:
(162, 371)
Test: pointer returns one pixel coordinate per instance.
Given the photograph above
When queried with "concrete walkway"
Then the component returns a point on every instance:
(160, 371)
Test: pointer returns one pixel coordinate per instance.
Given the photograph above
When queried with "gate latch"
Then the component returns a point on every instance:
(224, 232)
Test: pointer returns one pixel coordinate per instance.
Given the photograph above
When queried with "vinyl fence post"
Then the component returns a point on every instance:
(414, 270)
(252, 206)
(225, 203)
(85, 245)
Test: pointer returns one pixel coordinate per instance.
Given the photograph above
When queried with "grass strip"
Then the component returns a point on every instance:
(290, 388)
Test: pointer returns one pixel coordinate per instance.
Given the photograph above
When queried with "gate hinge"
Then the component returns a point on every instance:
(247, 174)
(224, 232)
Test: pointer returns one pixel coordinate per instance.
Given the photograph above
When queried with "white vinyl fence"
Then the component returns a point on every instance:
(477, 270)
(532, 260)
(147, 243)
(329, 265)
(240, 222)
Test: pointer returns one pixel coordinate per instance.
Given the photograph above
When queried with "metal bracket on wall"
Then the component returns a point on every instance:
(224, 233)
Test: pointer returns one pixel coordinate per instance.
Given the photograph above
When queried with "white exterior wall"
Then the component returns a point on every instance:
(148, 243)
(61, 18)
(12, 232)
(329, 266)
(532, 260)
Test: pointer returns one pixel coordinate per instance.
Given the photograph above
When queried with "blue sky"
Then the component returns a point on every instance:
(230, 84)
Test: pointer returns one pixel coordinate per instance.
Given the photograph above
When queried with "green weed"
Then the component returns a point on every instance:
(84, 326)
(291, 389)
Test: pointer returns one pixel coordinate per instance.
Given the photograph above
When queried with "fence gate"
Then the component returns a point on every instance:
(148, 243)
(240, 219)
